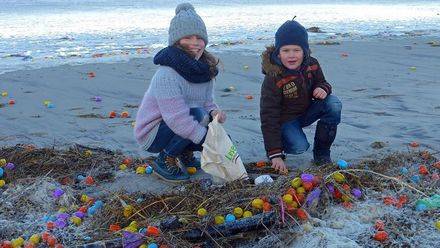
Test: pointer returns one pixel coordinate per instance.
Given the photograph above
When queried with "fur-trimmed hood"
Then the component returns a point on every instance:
(268, 66)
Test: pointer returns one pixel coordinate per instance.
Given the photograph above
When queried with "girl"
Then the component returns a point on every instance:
(173, 116)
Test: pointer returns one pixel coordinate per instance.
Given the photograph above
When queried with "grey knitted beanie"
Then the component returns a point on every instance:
(186, 22)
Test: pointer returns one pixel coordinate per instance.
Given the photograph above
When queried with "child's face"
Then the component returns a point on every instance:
(193, 44)
(291, 56)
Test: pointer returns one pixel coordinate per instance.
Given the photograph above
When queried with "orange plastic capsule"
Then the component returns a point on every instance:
(423, 170)
(51, 241)
(50, 225)
(115, 228)
(44, 236)
(308, 186)
(153, 231)
(381, 236)
(260, 164)
(301, 213)
(266, 207)
(89, 181)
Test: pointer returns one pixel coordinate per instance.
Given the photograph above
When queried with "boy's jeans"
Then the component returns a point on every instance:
(327, 111)
(173, 144)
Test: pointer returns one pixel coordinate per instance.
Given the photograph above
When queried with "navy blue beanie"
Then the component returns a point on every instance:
(291, 33)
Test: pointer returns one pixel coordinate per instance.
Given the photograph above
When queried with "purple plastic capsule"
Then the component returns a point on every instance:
(63, 216)
(10, 166)
(80, 214)
(307, 177)
(58, 193)
(60, 223)
(356, 193)
(331, 188)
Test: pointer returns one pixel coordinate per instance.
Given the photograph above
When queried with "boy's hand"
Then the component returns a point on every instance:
(221, 115)
(279, 165)
(319, 93)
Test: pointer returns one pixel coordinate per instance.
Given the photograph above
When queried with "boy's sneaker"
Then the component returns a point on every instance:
(166, 167)
(187, 159)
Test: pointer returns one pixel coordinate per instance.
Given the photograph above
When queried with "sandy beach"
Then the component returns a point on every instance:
(389, 90)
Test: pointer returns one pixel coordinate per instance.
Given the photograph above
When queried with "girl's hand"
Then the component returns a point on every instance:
(221, 115)
(319, 93)
(279, 165)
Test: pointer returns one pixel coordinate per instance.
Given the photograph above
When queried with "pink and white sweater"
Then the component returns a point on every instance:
(170, 97)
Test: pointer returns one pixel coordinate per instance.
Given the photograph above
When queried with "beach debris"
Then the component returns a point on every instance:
(315, 30)
(230, 218)
(414, 144)
(114, 228)
(413, 68)
(91, 74)
(378, 145)
(263, 179)
(257, 203)
(434, 43)
(246, 67)
(381, 236)
(328, 43)
(218, 219)
(249, 97)
(191, 170)
(344, 55)
(423, 170)
(97, 99)
(428, 203)
(202, 212)
(11, 102)
(261, 164)
(125, 114)
(437, 225)
(140, 170)
(10, 166)
(342, 164)
(122, 167)
(112, 114)
(89, 181)
(148, 169)
(407, 47)
(58, 192)
(229, 89)
(4, 93)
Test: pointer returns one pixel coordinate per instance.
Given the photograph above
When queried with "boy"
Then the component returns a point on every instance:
(294, 95)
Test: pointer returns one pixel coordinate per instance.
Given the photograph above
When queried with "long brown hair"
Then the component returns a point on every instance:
(206, 57)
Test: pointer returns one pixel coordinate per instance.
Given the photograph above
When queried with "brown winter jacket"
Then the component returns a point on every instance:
(284, 97)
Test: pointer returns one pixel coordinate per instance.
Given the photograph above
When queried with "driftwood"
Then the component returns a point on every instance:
(228, 229)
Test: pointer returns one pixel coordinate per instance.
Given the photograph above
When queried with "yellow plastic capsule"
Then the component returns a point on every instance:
(128, 211)
(202, 212)
(339, 177)
(191, 170)
(219, 220)
(84, 198)
(140, 170)
(287, 198)
(122, 167)
(75, 220)
(300, 190)
(88, 153)
(18, 242)
(2, 162)
(257, 203)
(34, 239)
(247, 214)
(238, 212)
(296, 182)
(2, 183)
